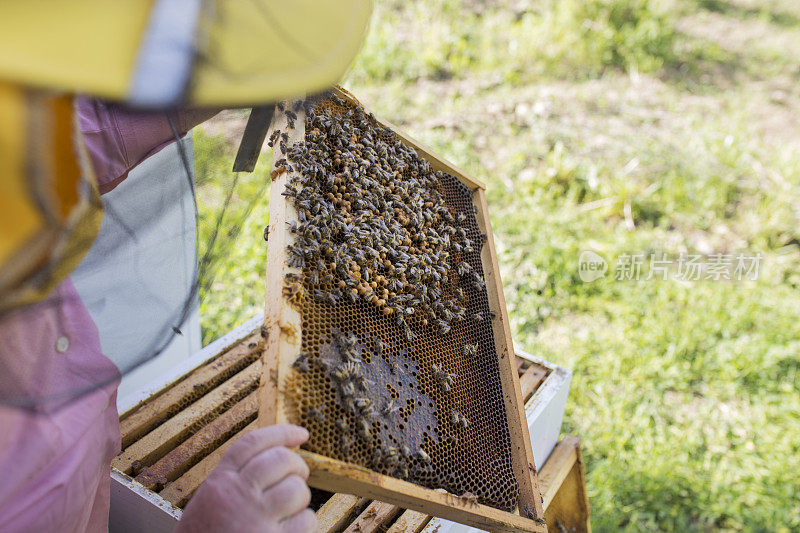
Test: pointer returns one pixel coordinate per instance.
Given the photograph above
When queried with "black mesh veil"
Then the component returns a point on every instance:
(180, 233)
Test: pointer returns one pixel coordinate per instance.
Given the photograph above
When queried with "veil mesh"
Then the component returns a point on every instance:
(178, 260)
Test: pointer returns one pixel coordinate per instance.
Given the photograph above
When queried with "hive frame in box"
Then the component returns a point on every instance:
(283, 329)
(135, 508)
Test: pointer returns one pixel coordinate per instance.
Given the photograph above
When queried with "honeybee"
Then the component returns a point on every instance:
(290, 191)
(347, 340)
(348, 389)
(390, 408)
(424, 457)
(347, 442)
(365, 429)
(470, 350)
(347, 370)
(368, 412)
(324, 363)
(362, 402)
(302, 362)
(470, 498)
(378, 345)
(273, 138)
(410, 335)
(317, 413)
(377, 455)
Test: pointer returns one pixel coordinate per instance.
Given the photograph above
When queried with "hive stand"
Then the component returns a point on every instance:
(282, 332)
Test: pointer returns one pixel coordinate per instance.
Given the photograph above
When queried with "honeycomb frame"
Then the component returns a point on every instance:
(283, 330)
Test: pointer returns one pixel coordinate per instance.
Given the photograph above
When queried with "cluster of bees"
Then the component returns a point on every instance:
(372, 224)
(344, 367)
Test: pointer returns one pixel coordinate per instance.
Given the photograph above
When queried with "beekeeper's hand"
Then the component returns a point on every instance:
(259, 485)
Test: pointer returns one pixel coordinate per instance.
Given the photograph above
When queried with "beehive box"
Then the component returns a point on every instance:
(386, 333)
(195, 411)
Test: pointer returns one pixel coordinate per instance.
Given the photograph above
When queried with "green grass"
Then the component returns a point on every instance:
(685, 394)
(232, 248)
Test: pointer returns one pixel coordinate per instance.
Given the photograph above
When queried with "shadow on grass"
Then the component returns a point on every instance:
(710, 68)
(659, 500)
(780, 18)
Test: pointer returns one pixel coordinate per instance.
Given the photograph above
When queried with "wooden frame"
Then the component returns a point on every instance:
(282, 329)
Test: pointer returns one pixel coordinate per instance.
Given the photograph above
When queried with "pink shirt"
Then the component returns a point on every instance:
(55, 466)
